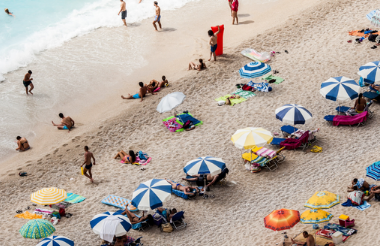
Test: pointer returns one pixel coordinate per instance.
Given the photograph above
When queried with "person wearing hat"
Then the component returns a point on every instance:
(7, 12)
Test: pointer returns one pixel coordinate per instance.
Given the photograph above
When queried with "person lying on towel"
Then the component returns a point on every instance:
(134, 219)
(309, 240)
(188, 190)
(360, 183)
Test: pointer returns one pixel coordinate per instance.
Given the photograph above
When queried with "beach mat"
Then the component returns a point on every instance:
(254, 55)
(279, 80)
(119, 202)
(244, 94)
(74, 198)
(233, 101)
(360, 34)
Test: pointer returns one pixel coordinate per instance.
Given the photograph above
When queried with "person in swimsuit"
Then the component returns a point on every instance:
(131, 158)
(213, 42)
(199, 67)
(8, 13)
(66, 123)
(22, 144)
(157, 18)
(360, 183)
(143, 91)
(309, 240)
(123, 11)
(188, 190)
(152, 86)
(133, 218)
(360, 104)
(164, 82)
(88, 164)
(234, 9)
(28, 81)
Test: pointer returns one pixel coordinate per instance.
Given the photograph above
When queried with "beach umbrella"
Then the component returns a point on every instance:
(151, 194)
(251, 137)
(205, 165)
(48, 196)
(371, 14)
(37, 229)
(56, 241)
(315, 216)
(108, 224)
(170, 101)
(254, 70)
(370, 72)
(322, 199)
(282, 219)
(293, 114)
(373, 171)
(339, 89)
(375, 17)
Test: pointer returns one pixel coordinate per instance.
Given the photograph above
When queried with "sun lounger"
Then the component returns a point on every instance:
(177, 221)
(119, 202)
(183, 195)
(370, 95)
(287, 130)
(292, 143)
(277, 141)
(346, 120)
(270, 163)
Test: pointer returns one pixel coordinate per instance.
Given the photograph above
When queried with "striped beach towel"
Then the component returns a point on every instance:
(266, 152)
(244, 94)
(119, 202)
(74, 198)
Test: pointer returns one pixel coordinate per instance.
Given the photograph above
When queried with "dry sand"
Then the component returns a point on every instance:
(317, 43)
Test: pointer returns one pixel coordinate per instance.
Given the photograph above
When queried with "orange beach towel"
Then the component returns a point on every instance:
(360, 34)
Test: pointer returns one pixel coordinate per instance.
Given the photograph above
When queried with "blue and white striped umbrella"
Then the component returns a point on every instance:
(293, 114)
(254, 70)
(108, 219)
(371, 14)
(373, 171)
(205, 165)
(340, 88)
(151, 194)
(370, 72)
(56, 241)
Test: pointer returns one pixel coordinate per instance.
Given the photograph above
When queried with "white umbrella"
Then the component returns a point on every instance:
(170, 101)
(108, 224)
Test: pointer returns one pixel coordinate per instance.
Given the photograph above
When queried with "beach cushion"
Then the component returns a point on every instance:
(119, 202)
(370, 95)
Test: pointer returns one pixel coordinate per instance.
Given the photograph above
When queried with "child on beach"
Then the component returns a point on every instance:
(164, 82)
(213, 42)
(234, 9)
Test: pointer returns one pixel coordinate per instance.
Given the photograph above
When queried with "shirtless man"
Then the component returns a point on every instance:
(88, 164)
(309, 240)
(132, 217)
(28, 81)
(185, 189)
(123, 11)
(22, 144)
(66, 123)
(213, 42)
(143, 91)
(157, 18)
(360, 183)
(164, 82)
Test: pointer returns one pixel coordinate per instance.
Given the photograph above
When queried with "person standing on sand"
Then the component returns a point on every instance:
(28, 81)
(234, 9)
(123, 11)
(66, 123)
(213, 42)
(22, 144)
(143, 91)
(88, 164)
(157, 18)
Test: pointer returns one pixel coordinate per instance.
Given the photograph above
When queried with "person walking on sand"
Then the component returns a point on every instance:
(142, 92)
(123, 11)
(88, 164)
(28, 81)
(22, 144)
(66, 123)
(213, 42)
(234, 9)
(157, 18)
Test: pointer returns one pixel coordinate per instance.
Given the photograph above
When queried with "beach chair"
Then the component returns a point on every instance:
(370, 95)
(294, 143)
(270, 163)
(344, 109)
(347, 120)
(177, 221)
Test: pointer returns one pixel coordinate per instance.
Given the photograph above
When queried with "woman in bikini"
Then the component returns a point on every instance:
(131, 158)
(22, 144)
(199, 67)
(360, 104)
(133, 218)
(185, 189)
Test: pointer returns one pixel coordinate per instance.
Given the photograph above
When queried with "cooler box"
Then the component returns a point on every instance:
(337, 237)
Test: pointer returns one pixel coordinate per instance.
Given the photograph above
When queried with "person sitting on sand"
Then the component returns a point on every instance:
(142, 92)
(22, 144)
(360, 104)
(360, 183)
(164, 82)
(309, 240)
(8, 13)
(198, 67)
(131, 158)
(374, 192)
(185, 189)
(152, 86)
(66, 123)
(133, 218)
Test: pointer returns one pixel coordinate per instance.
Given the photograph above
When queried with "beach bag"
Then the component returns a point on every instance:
(167, 227)
(143, 156)
(200, 180)
(372, 37)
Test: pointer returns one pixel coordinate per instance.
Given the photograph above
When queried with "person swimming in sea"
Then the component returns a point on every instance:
(8, 13)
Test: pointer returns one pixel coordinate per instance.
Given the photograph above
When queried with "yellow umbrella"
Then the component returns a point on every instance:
(322, 199)
(315, 216)
(48, 196)
(250, 137)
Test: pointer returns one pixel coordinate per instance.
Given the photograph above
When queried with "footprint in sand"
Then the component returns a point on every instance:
(28, 165)
(64, 145)
(11, 174)
(20, 168)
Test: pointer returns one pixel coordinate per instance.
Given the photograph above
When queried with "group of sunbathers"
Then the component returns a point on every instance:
(364, 186)
(153, 87)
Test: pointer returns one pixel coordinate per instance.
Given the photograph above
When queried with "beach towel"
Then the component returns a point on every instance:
(359, 34)
(74, 198)
(185, 117)
(266, 152)
(350, 120)
(119, 202)
(362, 207)
(356, 197)
(264, 87)
(345, 231)
(108, 230)
(233, 100)
(28, 216)
(278, 79)
(173, 124)
(256, 56)
(243, 93)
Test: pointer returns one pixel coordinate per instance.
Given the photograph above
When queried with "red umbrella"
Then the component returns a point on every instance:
(282, 219)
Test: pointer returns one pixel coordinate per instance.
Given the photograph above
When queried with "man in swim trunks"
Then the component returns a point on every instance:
(66, 123)
(188, 190)
(157, 18)
(22, 144)
(28, 81)
(309, 240)
(123, 11)
(143, 91)
(87, 162)
(213, 42)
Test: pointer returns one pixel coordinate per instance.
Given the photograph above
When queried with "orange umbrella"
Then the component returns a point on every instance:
(282, 219)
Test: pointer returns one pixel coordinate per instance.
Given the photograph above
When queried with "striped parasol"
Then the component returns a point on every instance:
(293, 114)
(56, 241)
(370, 72)
(37, 228)
(373, 171)
(48, 196)
(151, 194)
(254, 70)
(251, 137)
(205, 165)
(339, 89)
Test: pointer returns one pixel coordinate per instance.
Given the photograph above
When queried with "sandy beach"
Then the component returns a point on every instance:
(315, 34)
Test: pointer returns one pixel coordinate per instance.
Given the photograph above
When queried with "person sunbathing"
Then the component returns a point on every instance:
(360, 104)
(22, 144)
(309, 240)
(133, 218)
(199, 67)
(360, 183)
(374, 192)
(188, 190)
(197, 177)
(131, 158)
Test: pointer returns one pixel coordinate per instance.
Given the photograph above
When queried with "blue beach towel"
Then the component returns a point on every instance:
(185, 117)
(362, 207)
(74, 198)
